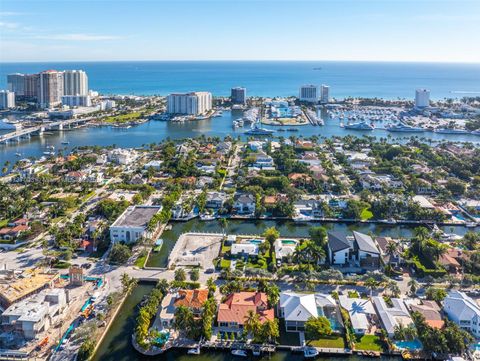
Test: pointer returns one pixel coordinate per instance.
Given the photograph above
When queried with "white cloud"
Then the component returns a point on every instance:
(7, 25)
(9, 13)
(77, 37)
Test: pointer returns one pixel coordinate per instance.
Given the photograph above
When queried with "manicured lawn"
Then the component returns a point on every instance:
(123, 118)
(366, 214)
(225, 263)
(140, 261)
(369, 343)
(332, 341)
(3, 223)
(226, 249)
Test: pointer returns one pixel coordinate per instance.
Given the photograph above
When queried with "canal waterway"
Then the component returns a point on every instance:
(157, 131)
(286, 229)
(117, 346)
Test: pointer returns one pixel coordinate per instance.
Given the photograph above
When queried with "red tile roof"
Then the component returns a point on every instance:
(191, 298)
(237, 305)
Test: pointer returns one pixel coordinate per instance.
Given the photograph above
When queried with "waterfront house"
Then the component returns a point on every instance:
(284, 249)
(392, 316)
(357, 251)
(338, 249)
(244, 203)
(391, 259)
(215, 200)
(192, 299)
(361, 312)
(297, 308)
(464, 311)
(449, 263)
(244, 250)
(428, 309)
(233, 313)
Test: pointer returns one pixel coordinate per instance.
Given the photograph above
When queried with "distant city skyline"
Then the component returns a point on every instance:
(344, 30)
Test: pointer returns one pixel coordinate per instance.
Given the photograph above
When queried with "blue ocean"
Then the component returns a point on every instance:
(270, 78)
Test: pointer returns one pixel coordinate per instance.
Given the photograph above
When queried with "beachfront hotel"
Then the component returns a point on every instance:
(309, 93)
(194, 103)
(422, 98)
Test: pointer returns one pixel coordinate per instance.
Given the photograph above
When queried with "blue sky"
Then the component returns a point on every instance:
(385, 30)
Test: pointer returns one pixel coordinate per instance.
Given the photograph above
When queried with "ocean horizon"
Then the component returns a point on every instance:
(389, 80)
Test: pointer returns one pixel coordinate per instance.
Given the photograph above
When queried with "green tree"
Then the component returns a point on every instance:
(317, 327)
(435, 294)
(271, 235)
(318, 235)
(194, 274)
(120, 254)
(371, 284)
(180, 275)
(413, 284)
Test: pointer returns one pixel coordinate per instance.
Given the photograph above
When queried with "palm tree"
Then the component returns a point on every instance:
(224, 224)
(271, 235)
(252, 323)
(212, 287)
(371, 283)
(394, 289)
(392, 248)
(273, 294)
(413, 284)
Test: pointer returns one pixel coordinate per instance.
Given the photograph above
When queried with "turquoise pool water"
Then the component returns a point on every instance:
(255, 241)
(289, 241)
(408, 345)
(163, 338)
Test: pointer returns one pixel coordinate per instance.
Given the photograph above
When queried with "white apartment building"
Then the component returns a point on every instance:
(194, 103)
(238, 95)
(75, 82)
(422, 98)
(50, 88)
(309, 93)
(324, 94)
(77, 100)
(107, 104)
(7, 99)
(133, 224)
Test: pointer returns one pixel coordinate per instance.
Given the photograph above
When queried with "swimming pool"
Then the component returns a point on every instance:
(289, 242)
(255, 241)
(408, 345)
(162, 338)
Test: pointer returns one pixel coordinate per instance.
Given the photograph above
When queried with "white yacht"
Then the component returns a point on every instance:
(401, 127)
(6, 124)
(359, 126)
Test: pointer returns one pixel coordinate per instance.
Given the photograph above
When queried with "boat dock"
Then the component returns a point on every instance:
(312, 118)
